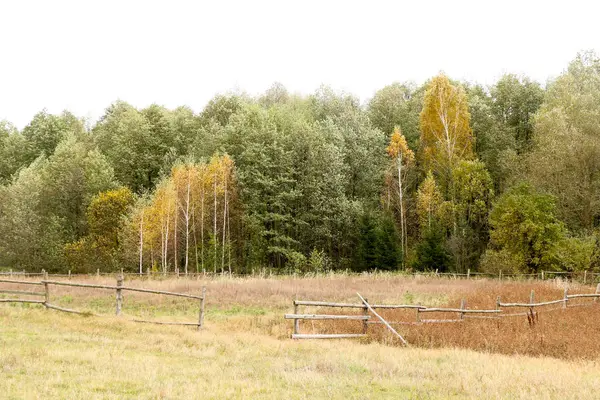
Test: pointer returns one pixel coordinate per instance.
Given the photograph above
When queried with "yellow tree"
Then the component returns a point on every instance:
(185, 177)
(446, 136)
(163, 212)
(403, 158)
(429, 203)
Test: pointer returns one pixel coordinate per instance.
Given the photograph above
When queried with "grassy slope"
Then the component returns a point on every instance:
(46, 354)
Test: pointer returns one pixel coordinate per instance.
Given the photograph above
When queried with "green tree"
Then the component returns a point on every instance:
(566, 159)
(515, 101)
(524, 223)
(45, 131)
(398, 105)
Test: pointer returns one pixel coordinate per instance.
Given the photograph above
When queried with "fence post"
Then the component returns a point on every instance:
(566, 298)
(531, 301)
(584, 277)
(418, 317)
(11, 273)
(462, 307)
(98, 272)
(46, 291)
(69, 274)
(365, 313)
(119, 294)
(296, 321)
(542, 274)
(468, 273)
(201, 316)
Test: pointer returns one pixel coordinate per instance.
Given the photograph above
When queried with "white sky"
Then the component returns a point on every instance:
(83, 55)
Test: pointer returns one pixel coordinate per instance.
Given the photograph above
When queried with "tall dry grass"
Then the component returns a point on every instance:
(257, 305)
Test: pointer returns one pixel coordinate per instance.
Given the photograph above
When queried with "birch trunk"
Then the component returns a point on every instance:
(141, 242)
(215, 223)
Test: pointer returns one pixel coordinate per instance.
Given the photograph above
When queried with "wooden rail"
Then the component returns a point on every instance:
(23, 292)
(322, 316)
(21, 301)
(21, 282)
(459, 310)
(353, 305)
(463, 312)
(529, 305)
(327, 335)
(119, 288)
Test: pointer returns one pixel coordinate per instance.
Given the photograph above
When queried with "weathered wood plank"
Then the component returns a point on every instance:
(459, 310)
(131, 289)
(68, 310)
(21, 282)
(165, 323)
(327, 335)
(440, 321)
(189, 296)
(352, 305)
(575, 296)
(545, 303)
(21, 301)
(323, 316)
(85, 285)
(23, 292)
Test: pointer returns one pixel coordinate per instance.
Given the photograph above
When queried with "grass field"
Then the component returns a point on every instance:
(245, 350)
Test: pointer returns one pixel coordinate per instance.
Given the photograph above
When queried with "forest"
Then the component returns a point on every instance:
(446, 175)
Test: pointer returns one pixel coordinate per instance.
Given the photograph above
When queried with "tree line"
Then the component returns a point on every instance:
(446, 175)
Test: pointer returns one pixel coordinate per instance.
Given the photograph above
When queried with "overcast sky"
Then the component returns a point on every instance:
(83, 55)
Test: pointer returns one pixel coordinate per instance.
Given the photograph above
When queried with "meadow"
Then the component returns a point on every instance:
(245, 350)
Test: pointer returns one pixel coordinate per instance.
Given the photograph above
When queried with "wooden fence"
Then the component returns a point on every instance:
(462, 313)
(119, 288)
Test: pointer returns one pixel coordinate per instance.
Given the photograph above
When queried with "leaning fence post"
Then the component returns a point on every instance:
(46, 291)
(201, 316)
(462, 307)
(566, 297)
(119, 294)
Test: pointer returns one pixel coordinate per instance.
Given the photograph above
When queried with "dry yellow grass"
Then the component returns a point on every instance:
(44, 354)
(245, 351)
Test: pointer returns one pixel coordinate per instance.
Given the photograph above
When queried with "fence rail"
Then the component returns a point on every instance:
(463, 313)
(118, 288)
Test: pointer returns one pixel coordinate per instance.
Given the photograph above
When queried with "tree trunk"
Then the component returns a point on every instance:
(187, 223)
(141, 242)
(215, 223)
(224, 222)
(401, 195)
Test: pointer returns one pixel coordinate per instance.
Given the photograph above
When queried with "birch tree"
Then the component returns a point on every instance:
(403, 159)
(445, 132)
